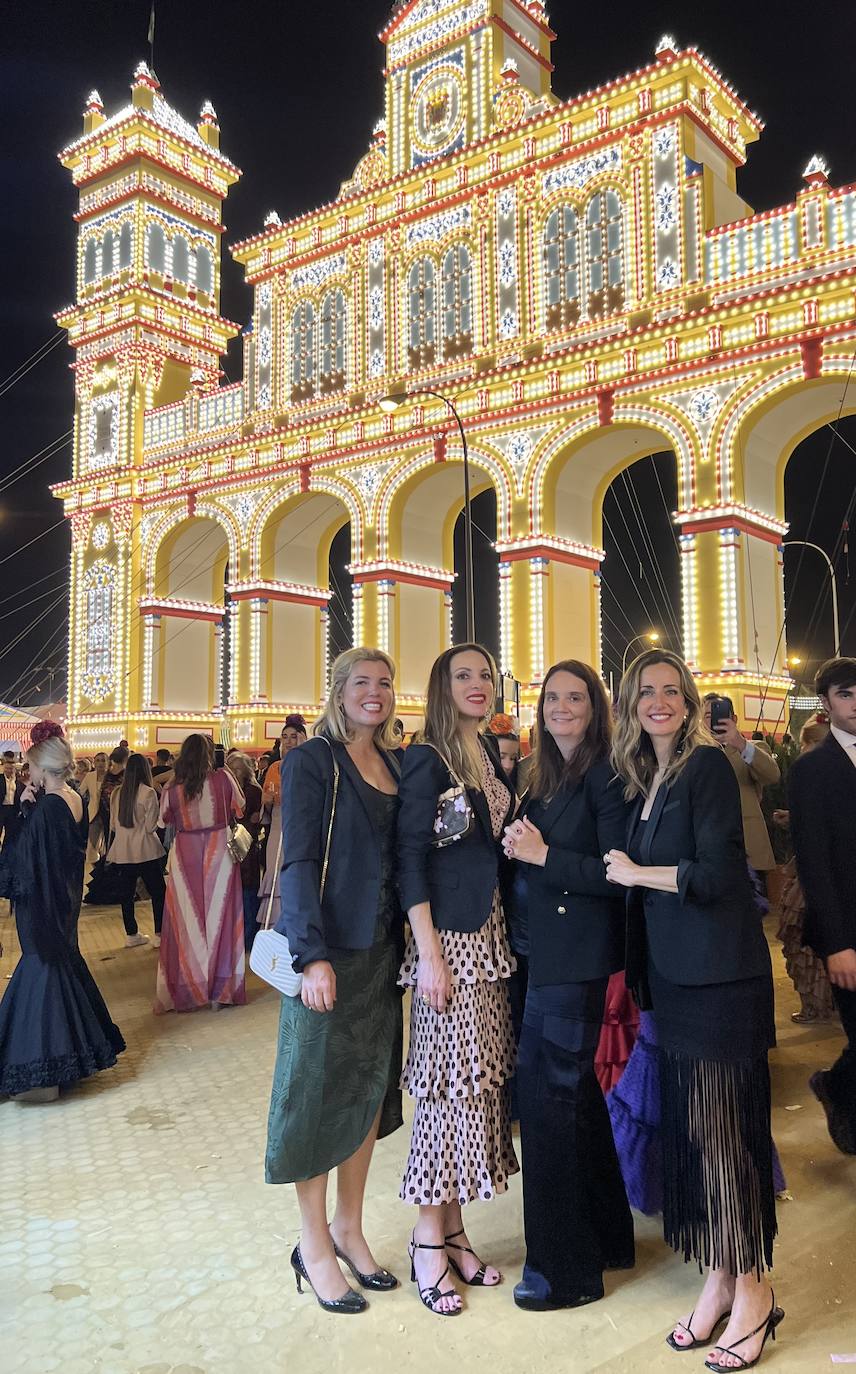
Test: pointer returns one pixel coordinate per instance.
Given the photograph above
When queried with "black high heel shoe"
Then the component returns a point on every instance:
(768, 1327)
(477, 1280)
(350, 1304)
(381, 1281)
(432, 1295)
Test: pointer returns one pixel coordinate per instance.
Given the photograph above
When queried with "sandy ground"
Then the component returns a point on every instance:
(137, 1235)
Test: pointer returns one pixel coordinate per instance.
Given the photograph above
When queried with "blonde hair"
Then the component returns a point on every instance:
(814, 732)
(633, 756)
(442, 726)
(333, 723)
(54, 756)
(244, 762)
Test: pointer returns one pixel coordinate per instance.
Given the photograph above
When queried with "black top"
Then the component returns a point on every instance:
(458, 880)
(709, 930)
(822, 799)
(346, 918)
(576, 917)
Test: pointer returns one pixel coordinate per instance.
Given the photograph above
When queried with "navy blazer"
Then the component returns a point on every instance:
(346, 917)
(576, 917)
(459, 879)
(709, 931)
(822, 799)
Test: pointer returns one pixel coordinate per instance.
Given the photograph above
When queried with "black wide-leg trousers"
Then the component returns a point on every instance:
(576, 1216)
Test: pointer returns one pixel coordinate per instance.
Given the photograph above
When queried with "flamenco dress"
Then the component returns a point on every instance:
(54, 1025)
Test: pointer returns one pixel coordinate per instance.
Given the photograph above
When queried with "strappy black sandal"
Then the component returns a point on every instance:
(431, 1296)
(687, 1326)
(477, 1280)
(768, 1326)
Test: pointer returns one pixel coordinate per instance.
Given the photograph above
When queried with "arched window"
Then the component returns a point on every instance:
(157, 249)
(98, 591)
(204, 271)
(90, 262)
(332, 341)
(303, 352)
(561, 269)
(125, 245)
(180, 259)
(604, 254)
(422, 314)
(107, 255)
(457, 302)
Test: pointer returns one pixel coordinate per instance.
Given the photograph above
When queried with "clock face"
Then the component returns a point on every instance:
(438, 113)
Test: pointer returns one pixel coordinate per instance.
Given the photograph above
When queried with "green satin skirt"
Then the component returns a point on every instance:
(334, 1070)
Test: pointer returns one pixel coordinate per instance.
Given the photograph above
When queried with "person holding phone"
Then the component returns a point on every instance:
(754, 767)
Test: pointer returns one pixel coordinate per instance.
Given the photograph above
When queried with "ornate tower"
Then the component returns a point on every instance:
(145, 326)
(445, 60)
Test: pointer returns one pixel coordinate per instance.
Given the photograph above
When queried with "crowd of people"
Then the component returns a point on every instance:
(531, 904)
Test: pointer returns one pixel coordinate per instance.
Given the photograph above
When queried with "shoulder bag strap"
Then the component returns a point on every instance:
(326, 862)
(452, 774)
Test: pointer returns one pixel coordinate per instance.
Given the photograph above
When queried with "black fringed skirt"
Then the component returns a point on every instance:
(719, 1206)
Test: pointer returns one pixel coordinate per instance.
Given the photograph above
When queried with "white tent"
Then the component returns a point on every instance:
(15, 727)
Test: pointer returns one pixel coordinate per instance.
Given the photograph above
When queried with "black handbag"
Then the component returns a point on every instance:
(454, 818)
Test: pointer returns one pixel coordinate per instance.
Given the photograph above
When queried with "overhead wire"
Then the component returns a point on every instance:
(29, 465)
(648, 543)
(31, 362)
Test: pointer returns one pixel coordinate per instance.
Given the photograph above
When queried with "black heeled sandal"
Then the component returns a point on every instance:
(381, 1281)
(768, 1327)
(477, 1280)
(350, 1304)
(430, 1296)
(696, 1342)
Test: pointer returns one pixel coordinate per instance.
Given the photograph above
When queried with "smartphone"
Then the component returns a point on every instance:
(720, 710)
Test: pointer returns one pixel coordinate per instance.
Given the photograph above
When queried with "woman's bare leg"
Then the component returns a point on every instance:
(468, 1264)
(346, 1227)
(431, 1229)
(316, 1245)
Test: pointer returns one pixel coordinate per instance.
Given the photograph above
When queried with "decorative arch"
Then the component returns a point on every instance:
(180, 258)
(577, 464)
(163, 537)
(456, 305)
(204, 270)
(423, 475)
(421, 334)
(764, 422)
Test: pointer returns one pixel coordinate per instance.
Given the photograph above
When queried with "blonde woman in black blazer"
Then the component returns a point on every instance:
(461, 1053)
(697, 950)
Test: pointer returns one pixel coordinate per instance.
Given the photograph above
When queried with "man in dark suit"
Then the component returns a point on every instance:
(10, 797)
(822, 794)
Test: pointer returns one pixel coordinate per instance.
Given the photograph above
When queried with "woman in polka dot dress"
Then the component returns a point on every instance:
(457, 962)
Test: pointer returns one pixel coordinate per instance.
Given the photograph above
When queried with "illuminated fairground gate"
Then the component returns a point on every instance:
(581, 278)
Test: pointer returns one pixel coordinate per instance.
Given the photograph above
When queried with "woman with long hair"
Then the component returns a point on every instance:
(292, 735)
(697, 955)
(576, 1216)
(336, 1081)
(104, 888)
(241, 767)
(458, 961)
(135, 851)
(54, 1026)
(202, 946)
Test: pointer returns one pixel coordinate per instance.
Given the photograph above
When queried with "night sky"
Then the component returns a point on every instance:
(298, 88)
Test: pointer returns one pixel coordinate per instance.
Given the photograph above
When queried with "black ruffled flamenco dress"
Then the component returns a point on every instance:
(54, 1025)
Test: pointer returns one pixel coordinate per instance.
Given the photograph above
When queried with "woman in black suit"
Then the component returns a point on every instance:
(336, 1080)
(696, 948)
(458, 962)
(576, 1215)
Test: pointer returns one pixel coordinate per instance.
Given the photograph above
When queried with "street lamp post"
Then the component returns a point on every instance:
(803, 543)
(391, 403)
(653, 636)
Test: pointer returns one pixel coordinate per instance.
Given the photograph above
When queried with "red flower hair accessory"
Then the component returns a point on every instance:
(501, 725)
(46, 729)
(821, 718)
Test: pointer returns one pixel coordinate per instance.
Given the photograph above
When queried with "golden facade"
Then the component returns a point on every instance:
(581, 277)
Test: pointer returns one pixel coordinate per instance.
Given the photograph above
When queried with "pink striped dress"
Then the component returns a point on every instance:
(202, 942)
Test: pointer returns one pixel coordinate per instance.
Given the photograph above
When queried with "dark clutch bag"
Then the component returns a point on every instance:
(454, 818)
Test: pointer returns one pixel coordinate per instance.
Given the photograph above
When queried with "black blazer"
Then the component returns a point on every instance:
(709, 931)
(458, 880)
(822, 799)
(576, 918)
(346, 917)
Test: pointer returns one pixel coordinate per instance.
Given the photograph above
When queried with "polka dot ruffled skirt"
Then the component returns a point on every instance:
(459, 1063)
